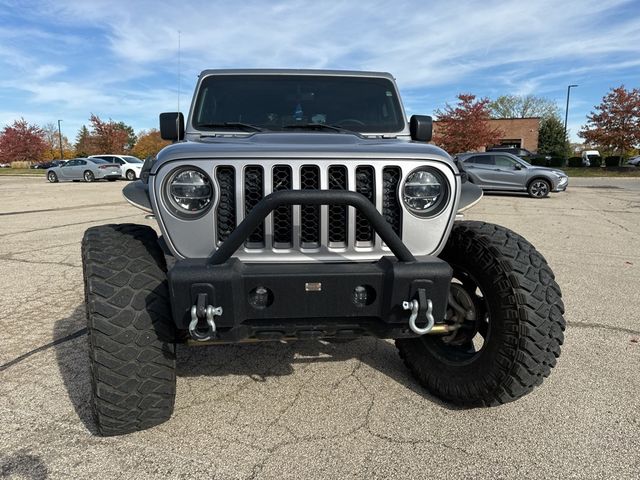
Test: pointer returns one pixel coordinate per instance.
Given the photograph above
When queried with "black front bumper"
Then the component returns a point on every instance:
(311, 300)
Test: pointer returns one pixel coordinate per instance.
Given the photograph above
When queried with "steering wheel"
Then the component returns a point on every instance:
(350, 120)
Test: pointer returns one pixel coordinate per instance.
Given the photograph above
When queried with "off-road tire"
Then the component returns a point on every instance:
(539, 188)
(131, 332)
(88, 176)
(526, 321)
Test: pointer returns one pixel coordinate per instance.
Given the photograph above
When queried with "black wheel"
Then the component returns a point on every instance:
(131, 332)
(52, 177)
(511, 326)
(89, 176)
(131, 175)
(539, 188)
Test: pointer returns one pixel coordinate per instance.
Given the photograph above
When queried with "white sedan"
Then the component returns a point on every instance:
(129, 166)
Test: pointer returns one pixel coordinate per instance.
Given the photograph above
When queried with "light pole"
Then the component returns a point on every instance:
(60, 140)
(566, 111)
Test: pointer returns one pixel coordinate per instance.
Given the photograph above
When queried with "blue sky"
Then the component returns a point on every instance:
(67, 59)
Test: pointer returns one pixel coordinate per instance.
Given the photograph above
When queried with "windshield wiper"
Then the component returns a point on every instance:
(318, 126)
(245, 126)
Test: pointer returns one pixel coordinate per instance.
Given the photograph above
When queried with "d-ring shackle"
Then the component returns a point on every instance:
(414, 306)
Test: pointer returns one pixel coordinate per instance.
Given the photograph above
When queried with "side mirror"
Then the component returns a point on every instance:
(517, 166)
(421, 128)
(172, 126)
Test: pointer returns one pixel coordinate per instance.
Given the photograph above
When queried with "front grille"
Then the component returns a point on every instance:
(307, 226)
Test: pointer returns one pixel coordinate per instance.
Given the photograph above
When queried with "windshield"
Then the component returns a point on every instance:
(131, 159)
(278, 102)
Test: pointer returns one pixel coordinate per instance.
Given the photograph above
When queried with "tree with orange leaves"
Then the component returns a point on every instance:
(465, 126)
(614, 125)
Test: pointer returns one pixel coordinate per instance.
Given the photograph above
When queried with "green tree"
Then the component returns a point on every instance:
(523, 106)
(552, 139)
(131, 136)
(84, 145)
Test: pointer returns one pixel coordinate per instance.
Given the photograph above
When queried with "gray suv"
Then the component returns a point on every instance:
(506, 172)
(301, 205)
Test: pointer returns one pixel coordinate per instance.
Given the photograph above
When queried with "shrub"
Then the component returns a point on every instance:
(557, 162)
(21, 164)
(538, 161)
(595, 161)
(613, 161)
(575, 162)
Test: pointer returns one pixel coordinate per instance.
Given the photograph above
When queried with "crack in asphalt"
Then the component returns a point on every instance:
(42, 348)
(101, 220)
(44, 210)
(38, 262)
(611, 328)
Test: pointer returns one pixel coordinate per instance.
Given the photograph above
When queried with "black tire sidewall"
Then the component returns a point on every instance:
(88, 176)
(483, 363)
(130, 175)
(52, 177)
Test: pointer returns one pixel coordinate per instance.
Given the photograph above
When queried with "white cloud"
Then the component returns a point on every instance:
(501, 46)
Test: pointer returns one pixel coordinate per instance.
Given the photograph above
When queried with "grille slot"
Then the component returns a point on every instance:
(226, 210)
(365, 184)
(310, 214)
(338, 213)
(253, 193)
(391, 210)
(283, 215)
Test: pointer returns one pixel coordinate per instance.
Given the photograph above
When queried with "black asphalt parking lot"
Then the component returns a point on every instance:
(315, 409)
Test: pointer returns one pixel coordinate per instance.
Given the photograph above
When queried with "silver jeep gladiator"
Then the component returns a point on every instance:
(301, 204)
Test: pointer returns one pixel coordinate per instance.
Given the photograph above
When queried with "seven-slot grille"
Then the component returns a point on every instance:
(303, 226)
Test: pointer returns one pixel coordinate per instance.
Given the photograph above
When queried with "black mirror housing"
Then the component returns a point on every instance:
(172, 126)
(421, 128)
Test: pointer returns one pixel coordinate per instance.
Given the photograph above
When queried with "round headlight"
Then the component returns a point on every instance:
(189, 191)
(424, 192)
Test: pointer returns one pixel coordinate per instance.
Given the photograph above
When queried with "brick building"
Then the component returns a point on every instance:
(516, 132)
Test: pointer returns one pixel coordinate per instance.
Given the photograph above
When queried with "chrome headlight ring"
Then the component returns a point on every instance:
(188, 192)
(425, 192)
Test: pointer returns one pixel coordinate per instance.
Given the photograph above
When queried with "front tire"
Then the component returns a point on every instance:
(518, 319)
(131, 332)
(89, 176)
(539, 188)
(52, 177)
(131, 175)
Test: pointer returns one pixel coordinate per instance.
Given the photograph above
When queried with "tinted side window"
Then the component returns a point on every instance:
(504, 161)
(81, 162)
(484, 160)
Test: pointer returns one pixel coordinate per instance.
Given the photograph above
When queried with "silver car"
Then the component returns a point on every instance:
(500, 171)
(87, 169)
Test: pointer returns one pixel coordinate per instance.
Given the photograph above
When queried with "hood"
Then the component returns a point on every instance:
(288, 144)
(547, 169)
